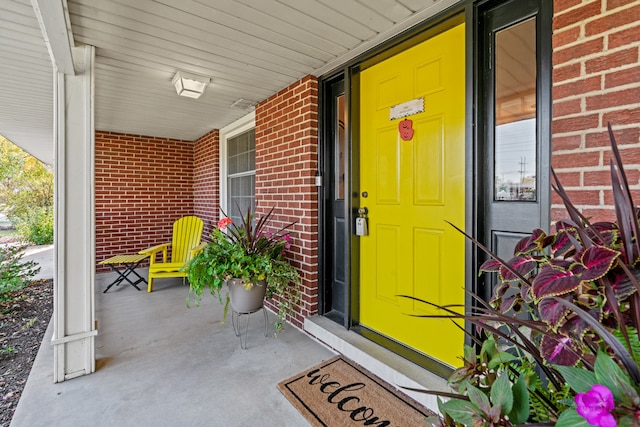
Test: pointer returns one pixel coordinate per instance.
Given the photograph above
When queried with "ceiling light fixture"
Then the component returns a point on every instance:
(190, 85)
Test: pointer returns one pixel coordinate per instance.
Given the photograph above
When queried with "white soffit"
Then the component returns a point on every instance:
(250, 49)
(427, 12)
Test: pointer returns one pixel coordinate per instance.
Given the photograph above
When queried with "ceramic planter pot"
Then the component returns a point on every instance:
(246, 301)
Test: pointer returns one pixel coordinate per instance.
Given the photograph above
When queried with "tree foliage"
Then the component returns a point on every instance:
(15, 273)
(26, 192)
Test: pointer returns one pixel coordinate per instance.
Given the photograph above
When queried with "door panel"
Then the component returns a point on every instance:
(412, 187)
(387, 263)
(387, 180)
(428, 163)
(428, 241)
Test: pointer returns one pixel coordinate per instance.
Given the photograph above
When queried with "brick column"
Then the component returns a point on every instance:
(206, 180)
(286, 163)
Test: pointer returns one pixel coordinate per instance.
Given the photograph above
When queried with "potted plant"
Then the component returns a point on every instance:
(558, 344)
(245, 263)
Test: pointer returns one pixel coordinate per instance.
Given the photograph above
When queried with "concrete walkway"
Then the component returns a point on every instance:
(160, 363)
(43, 255)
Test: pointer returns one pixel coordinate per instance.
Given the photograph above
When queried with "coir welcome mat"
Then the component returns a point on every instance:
(338, 393)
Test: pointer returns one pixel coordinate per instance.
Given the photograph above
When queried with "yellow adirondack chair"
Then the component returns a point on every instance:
(187, 232)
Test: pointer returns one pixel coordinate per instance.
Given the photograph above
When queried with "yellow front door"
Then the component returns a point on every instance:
(411, 187)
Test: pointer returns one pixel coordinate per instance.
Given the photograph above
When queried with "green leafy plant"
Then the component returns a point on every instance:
(26, 192)
(36, 225)
(252, 252)
(15, 273)
(7, 350)
(558, 342)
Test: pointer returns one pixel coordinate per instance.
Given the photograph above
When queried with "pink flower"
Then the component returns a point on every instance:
(596, 406)
(222, 224)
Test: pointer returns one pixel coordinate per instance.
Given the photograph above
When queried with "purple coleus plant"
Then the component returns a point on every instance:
(564, 317)
(581, 281)
(549, 271)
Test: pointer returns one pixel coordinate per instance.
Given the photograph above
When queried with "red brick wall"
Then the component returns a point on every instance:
(142, 185)
(206, 190)
(286, 163)
(596, 79)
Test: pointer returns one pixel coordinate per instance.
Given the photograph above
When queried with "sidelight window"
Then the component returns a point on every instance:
(515, 140)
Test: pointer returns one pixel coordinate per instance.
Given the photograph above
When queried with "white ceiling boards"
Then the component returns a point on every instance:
(250, 49)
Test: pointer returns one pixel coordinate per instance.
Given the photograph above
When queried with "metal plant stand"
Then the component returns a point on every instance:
(235, 319)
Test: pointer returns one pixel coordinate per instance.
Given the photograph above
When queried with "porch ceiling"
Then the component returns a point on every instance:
(250, 49)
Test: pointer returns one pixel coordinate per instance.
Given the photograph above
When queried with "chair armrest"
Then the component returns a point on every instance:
(198, 249)
(152, 251)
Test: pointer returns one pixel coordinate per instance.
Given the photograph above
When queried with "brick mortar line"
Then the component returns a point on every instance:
(602, 128)
(598, 129)
(583, 59)
(603, 11)
(584, 207)
(578, 6)
(602, 187)
(600, 111)
(582, 39)
(583, 75)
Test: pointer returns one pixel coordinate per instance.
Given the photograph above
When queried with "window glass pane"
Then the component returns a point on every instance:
(240, 175)
(240, 197)
(232, 165)
(515, 113)
(232, 148)
(251, 149)
(241, 153)
(242, 143)
(251, 165)
(252, 140)
(339, 148)
(243, 161)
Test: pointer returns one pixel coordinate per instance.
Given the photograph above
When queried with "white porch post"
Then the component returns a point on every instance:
(74, 301)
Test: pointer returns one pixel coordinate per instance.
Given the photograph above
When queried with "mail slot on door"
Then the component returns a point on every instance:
(362, 228)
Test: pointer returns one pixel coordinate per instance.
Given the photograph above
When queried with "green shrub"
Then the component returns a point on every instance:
(15, 273)
(36, 226)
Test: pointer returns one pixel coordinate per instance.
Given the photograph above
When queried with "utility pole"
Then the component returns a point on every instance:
(523, 168)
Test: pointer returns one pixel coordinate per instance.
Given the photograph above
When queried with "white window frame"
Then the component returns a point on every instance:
(241, 125)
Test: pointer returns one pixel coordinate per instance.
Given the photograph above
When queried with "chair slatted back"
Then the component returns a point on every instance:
(187, 232)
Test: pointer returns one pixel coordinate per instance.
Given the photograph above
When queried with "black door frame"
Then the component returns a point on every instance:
(465, 11)
(351, 75)
(330, 252)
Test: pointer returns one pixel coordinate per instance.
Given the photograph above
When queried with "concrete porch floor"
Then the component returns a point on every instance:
(160, 363)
